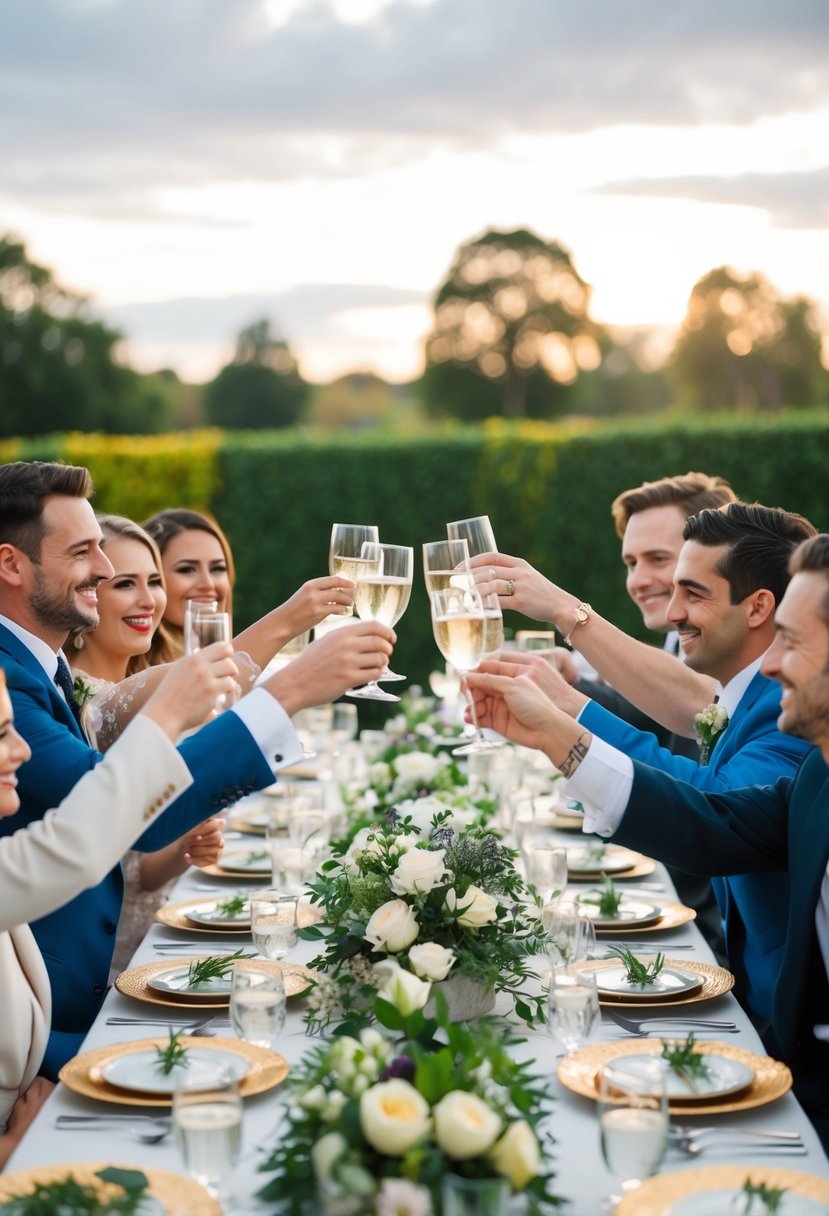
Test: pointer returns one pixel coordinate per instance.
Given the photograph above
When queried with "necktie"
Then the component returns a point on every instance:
(63, 679)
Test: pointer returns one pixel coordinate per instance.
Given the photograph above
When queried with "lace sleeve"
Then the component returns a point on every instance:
(113, 706)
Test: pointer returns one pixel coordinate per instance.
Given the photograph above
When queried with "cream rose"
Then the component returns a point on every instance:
(405, 991)
(393, 1116)
(325, 1154)
(517, 1155)
(464, 1125)
(431, 961)
(476, 907)
(419, 871)
(421, 812)
(417, 768)
(392, 927)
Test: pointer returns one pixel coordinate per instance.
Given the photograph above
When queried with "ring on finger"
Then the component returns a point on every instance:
(510, 587)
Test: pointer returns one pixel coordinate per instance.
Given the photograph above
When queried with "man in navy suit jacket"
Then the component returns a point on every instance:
(51, 561)
(781, 827)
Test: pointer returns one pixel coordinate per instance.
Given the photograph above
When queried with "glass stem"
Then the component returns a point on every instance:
(470, 701)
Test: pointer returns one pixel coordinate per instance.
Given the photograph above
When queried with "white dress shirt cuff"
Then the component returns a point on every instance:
(270, 727)
(602, 784)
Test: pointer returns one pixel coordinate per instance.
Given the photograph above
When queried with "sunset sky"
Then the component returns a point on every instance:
(193, 165)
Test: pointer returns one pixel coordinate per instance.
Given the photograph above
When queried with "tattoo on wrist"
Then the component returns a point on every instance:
(575, 755)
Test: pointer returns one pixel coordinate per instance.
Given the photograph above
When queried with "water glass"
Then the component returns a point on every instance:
(257, 1006)
(571, 936)
(546, 869)
(207, 1124)
(573, 1007)
(633, 1120)
(273, 922)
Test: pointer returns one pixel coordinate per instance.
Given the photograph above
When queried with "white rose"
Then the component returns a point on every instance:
(392, 927)
(431, 961)
(325, 1154)
(419, 871)
(380, 774)
(421, 812)
(418, 768)
(462, 818)
(476, 907)
(405, 991)
(464, 1125)
(425, 730)
(314, 1098)
(393, 1116)
(517, 1155)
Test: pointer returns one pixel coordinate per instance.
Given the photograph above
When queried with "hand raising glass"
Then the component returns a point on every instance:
(459, 623)
(382, 591)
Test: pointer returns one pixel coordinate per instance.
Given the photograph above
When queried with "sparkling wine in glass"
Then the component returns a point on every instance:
(345, 549)
(273, 922)
(382, 593)
(633, 1120)
(446, 565)
(203, 625)
(459, 625)
(207, 1122)
(494, 637)
(477, 532)
(257, 1006)
(572, 1006)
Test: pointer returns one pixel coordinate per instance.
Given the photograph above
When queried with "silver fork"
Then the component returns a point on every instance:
(200, 1027)
(744, 1145)
(696, 1133)
(635, 1026)
(148, 1129)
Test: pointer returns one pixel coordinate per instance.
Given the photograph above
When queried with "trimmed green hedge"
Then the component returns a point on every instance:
(546, 488)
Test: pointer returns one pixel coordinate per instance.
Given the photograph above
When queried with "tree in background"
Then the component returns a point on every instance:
(742, 346)
(58, 366)
(262, 386)
(511, 332)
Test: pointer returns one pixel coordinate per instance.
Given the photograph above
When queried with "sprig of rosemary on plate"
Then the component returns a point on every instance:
(594, 852)
(172, 1056)
(637, 971)
(214, 967)
(232, 906)
(685, 1061)
(607, 898)
(769, 1196)
(73, 1198)
(258, 856)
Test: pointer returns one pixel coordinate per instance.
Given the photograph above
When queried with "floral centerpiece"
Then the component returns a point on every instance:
(414, 909)
(378, 1127)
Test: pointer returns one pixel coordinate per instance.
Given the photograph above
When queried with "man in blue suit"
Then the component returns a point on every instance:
(780, 827)
(51, 562)
(731, 573)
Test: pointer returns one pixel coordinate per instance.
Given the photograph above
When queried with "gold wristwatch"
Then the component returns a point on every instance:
(581, 616)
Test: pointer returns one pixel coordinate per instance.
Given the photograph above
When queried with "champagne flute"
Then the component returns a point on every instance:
(345, 549)
(207, 1123)
(494, 637)
(459, 626)
(572, 1006)
(257, 1006)
(382, 592)
(633, 1121)
(273, 922)
(477, 532)
(446, 564)
(203, 625)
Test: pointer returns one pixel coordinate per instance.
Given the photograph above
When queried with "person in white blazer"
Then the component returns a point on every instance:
(48, 862)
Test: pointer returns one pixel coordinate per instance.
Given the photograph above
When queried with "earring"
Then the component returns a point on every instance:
(78, 641)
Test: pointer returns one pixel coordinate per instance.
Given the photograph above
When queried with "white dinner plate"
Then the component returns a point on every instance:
(719, 1203)
(613, 860)
(726, 1076)
(250, 862)
(631, 912)
(208, 914)
(669, 982)
(141, 1072)
(174, 982)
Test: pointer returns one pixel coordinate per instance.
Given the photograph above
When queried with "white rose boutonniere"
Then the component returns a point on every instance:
(708, 726)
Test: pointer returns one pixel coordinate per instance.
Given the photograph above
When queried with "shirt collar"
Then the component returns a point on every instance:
(45, 655)
(730, 695)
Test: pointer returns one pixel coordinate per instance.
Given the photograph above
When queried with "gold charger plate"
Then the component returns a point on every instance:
(639, 867)
(226, 869)
(633, 999)
(673, 915)
(174, 916)
(655, 1196)
(133, 982)
(82, 1074)
(580, 1070)
(175, 1193)
(716, 981)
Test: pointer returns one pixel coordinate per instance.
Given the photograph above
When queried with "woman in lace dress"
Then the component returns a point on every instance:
(130, 607)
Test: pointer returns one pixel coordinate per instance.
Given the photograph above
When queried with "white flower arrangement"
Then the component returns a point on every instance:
(709, 724)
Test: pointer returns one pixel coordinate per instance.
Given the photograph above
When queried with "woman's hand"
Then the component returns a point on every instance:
(316, 599)
(203, 846)
(189, 692)
(521, 587)
(22, 1114)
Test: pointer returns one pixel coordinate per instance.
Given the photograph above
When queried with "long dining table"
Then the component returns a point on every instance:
(572, 1140)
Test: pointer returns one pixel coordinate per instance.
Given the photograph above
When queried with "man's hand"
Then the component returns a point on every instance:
(349, 656)
(22, 1114)
(516, 707)
(543, 674)
(189, 691)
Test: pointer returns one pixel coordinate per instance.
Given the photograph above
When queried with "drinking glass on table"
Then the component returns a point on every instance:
(257, 1006)
(459, 625)
(203, 625)
(273, 922)
(546, 868)
(570, 934)
(572, 1007)
(345, 548)
(477, 532)
(382, 592)
(633, 1121)
(207, 1123)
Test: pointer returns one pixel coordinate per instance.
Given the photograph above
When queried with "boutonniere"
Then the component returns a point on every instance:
(709, 725)
(82, 691)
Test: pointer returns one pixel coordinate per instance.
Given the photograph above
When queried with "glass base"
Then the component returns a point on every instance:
(371, 692)
(479, 745)
(388, 676)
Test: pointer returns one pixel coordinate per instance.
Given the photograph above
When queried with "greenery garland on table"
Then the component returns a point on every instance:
(375, 1124)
